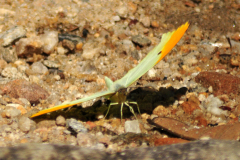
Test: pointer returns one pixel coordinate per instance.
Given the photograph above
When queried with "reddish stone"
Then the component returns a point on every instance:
(190, 4)
(167, 141)
(224, 132)
(91, 124)
(189, 107)
(21, 88)
(201, 121)
(222, 83)
(194, 99)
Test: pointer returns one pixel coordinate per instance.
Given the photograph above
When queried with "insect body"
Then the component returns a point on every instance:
(168, 41)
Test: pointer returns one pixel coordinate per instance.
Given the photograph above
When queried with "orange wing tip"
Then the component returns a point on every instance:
(50, 110)
(175, 37)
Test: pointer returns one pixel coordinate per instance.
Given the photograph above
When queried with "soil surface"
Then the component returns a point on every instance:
(59, 51)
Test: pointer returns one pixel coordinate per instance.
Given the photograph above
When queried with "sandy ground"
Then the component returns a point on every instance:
(59, 51)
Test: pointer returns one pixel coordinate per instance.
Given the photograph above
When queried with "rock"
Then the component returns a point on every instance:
(25, 102)
(23, 89)
(236, 36)
(39, 68)
(132, 126)
(60, 121)
(50, 41)
(7, 55)
(27, 47)
(145, 20)
(89, 51)
(222, 83)
(189, 107)
(154, 24)
(212, 104)
(13, 73)
(11, 112)
(3, 64)
(51, 64)
(180, 129)
(141, 40)
(79, 46)
(116, 18)
(168, 141)
(75, 126)
(204, 149)
(68, 44)
(125, 46)
(152, 73)
(161, 111)
(235, 60)
(122, 11)
(13, 34)
(4, 12)
(135, 55)
(86, 140)
(61, 50)
(24, 124)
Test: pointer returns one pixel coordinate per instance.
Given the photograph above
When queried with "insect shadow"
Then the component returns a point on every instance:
(147, 99)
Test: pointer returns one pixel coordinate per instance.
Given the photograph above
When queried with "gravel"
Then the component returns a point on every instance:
(63, 50)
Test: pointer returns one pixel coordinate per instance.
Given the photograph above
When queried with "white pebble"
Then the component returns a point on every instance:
(89, 51)
(50, 40)
(116, 18)
(132, 126)
(152, 73)
(39, 68)
(212, 105)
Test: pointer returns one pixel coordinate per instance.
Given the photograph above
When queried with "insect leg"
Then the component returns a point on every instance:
(111, 104)
(131, 109)
(137, 106)
(121, 110)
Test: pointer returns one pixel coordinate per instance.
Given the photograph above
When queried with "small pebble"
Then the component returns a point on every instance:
(50, 40)
(68, 44)
(116, 18)
(86, 140)
(57, 77)
(12, 112)
(24, 124)
(154, 24)
(152, 73)
(24, 89)
(26, 47)
(60, 121)
(79, 46)
(8, 55)
(122, 11)
(13, 34)
(3, 64)
(13, 73)
(39, 68)
(8, 12)
(61, 50)
(132, 126)
(75, 126)
(236, 36)
(89, 51)
(212, 105)
(141, 40)
(145, 20)
(51, 64)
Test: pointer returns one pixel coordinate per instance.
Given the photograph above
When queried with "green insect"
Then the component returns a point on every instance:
(115, 91)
